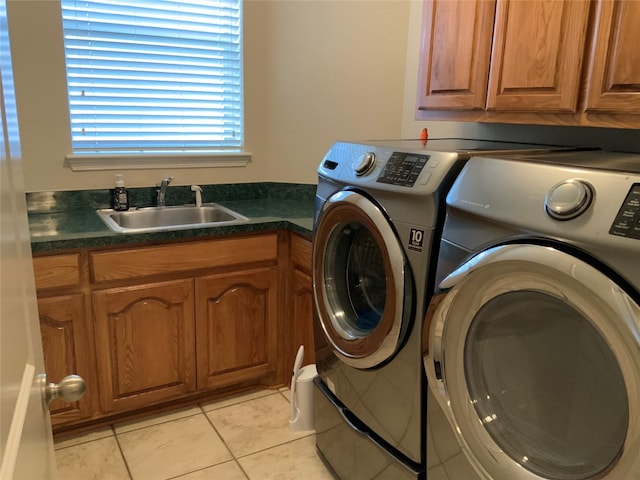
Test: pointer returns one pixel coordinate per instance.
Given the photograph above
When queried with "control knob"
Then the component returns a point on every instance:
(568, 199)
(364, 164)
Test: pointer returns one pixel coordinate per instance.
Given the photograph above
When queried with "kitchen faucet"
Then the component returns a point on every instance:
(161, 190)
(198, 191)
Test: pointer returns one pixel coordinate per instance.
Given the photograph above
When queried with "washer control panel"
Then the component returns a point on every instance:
(627, 222)
(410, 171)
(403, 169)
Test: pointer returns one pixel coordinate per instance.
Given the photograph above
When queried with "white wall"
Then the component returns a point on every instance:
(315, 71)
(337, 73)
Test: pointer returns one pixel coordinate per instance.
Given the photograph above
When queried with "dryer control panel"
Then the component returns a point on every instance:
(627, 222)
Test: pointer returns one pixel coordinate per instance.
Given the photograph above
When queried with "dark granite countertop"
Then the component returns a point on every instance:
(68, 220)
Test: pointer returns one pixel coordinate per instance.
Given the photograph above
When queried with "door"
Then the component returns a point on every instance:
(534, 356)
(25, 430)
(361, 281)
(145, 337)
(237, 327)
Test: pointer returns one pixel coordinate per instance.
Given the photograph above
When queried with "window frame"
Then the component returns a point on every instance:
(177, 157)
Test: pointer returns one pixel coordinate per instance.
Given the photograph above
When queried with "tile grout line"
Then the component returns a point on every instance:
(272, 392)
(84, 441)
(278, 445)
(124, 459)
(235, 459)
(153, 424)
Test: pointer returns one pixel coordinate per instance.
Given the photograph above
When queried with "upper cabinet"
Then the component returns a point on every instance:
(538, 61)
(536, 55)
(456, 48)
(614, 74)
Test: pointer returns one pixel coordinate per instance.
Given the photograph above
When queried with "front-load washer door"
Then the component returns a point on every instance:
(534, 356)
(361, 281)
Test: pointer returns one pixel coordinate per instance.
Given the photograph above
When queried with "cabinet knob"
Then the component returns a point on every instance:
(70, 389)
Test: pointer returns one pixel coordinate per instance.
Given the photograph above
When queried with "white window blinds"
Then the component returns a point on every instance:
(154, 75)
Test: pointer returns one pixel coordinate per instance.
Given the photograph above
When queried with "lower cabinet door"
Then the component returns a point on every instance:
(236, 320)
(145, 338)
(68, 349)
(302, 316)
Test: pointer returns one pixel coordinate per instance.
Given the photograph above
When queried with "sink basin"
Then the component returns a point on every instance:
(149, 219)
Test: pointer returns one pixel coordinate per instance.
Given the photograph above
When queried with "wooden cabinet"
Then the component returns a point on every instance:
(537, 54)
(66, 330)
(237, 326)
(509, 55)
(145, 338)
(532, 61)
(68, 349)
(456, 48)
(301, 299)
(614, 74)
(215, 327)
(155, 324)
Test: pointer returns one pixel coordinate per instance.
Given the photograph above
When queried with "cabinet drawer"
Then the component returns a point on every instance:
(143, 261)
(57, 271)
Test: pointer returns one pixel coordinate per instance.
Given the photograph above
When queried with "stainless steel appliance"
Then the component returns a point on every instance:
(532, 344)
(380, 210)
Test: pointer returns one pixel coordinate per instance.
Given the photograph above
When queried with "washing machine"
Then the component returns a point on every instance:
(380, 210)
(532, 339)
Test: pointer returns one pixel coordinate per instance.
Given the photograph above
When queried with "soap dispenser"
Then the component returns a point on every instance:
(120, 195)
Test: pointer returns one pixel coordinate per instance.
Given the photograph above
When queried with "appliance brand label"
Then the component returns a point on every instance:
(416, 238)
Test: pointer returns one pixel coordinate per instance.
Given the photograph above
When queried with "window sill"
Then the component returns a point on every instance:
(96, 162)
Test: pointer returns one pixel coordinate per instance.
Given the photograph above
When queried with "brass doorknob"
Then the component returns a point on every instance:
(70, 389)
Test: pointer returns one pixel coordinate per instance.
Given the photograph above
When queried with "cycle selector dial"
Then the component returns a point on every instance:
(568, 199)
(364, 164)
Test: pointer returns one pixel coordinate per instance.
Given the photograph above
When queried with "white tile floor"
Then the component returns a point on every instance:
(239, 438)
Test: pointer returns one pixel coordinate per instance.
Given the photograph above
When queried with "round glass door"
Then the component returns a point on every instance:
(360, 280)
(546, 386)
(358, 292)
(534, 357)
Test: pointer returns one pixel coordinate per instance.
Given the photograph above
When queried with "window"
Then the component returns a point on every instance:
(154, 76)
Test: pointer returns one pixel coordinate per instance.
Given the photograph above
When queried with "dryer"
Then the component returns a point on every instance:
(532, 341)
(380, 210)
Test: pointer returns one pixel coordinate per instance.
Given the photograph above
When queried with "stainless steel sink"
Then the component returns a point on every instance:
(149, 219)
